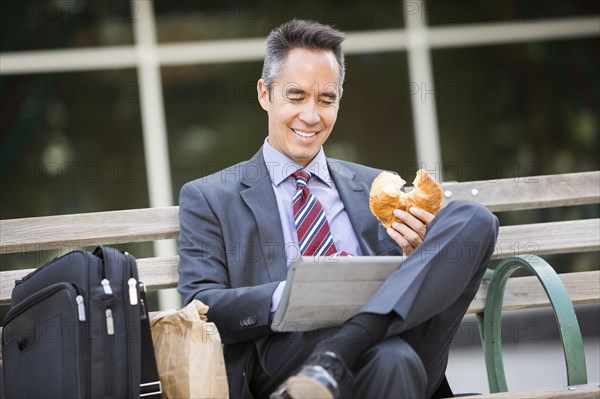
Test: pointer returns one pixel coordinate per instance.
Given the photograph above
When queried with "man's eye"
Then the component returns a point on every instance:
(327, 101)
(294, 99)
(292, 96)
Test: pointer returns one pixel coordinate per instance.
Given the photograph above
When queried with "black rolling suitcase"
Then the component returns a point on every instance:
(78, 328)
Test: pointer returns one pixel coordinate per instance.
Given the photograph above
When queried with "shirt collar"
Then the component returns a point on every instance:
(280, 166)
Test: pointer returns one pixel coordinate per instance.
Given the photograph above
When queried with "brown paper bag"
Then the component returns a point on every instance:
(189, 355)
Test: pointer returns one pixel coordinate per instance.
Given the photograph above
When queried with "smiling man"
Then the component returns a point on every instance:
(302, 103)
(243, 227)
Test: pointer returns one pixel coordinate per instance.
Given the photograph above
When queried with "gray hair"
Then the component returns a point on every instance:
(300, 34)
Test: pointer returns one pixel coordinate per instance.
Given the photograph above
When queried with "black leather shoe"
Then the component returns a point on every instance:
(323, 376)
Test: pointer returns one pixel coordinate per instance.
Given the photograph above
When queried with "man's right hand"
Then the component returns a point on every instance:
(409, 233)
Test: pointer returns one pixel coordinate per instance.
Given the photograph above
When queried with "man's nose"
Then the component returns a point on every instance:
(310, 113)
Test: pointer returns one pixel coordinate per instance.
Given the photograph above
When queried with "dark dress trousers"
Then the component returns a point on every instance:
(232, 257)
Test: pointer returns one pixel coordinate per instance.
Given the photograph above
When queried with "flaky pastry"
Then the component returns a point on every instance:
(386, 195)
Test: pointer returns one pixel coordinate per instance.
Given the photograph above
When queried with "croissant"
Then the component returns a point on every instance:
(386, 195)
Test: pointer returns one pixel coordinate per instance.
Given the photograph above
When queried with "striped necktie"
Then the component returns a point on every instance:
(314, 235)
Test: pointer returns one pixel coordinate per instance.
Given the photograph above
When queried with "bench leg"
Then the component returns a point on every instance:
(491, 320)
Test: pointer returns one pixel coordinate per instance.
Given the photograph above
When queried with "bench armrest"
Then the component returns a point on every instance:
(491, 320)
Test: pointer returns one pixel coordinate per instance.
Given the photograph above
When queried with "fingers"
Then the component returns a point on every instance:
(421, 214)
(414, 221)
(407, 247)
(410, 230)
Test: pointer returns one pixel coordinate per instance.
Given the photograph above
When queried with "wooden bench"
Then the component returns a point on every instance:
(515, 247)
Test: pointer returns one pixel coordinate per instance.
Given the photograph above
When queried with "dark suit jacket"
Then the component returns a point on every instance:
(232, 254)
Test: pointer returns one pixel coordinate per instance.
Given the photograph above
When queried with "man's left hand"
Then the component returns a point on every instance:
(410, 231)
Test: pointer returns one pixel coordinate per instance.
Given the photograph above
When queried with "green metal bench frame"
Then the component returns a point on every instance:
(490, 321)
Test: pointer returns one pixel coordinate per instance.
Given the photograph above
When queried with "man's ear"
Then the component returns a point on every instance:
(263, 93)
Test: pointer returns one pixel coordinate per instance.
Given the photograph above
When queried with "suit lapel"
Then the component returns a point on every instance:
(260, 198)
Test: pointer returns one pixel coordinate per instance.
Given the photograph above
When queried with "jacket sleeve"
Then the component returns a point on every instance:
(240, 313)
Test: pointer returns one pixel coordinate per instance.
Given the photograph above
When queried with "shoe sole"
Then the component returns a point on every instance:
(300, 387)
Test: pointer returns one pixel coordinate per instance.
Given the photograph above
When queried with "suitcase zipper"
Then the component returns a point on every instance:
(142, 294)
(106, 286)
(110, 323)
(108, 298)
(80, 308)
(131, 317)
(133, 297)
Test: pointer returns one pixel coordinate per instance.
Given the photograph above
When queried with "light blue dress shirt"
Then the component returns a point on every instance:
(280, 168)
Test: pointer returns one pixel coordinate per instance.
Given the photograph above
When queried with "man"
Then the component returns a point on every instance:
(239, 236)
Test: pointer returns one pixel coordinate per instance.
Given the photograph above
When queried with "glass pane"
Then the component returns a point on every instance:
(214, 119)
(56, 24)
(443, 12)
(72, 142)
(518, 110)
(186, 20)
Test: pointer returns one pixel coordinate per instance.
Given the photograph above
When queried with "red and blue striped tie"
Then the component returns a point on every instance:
(314, 235)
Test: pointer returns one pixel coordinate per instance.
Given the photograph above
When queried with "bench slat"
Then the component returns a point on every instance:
(591, 390)
(70, 231)
(527, 292)
(530, 192)
(548, 238)
(137, 225)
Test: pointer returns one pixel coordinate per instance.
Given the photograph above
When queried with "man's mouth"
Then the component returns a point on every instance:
(304, 134)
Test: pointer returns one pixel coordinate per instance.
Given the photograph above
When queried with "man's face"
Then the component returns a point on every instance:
(304, 103)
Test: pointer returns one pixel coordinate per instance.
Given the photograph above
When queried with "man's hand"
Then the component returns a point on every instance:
(411, 232)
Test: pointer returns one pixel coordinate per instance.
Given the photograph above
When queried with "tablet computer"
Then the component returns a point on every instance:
(323, 292)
